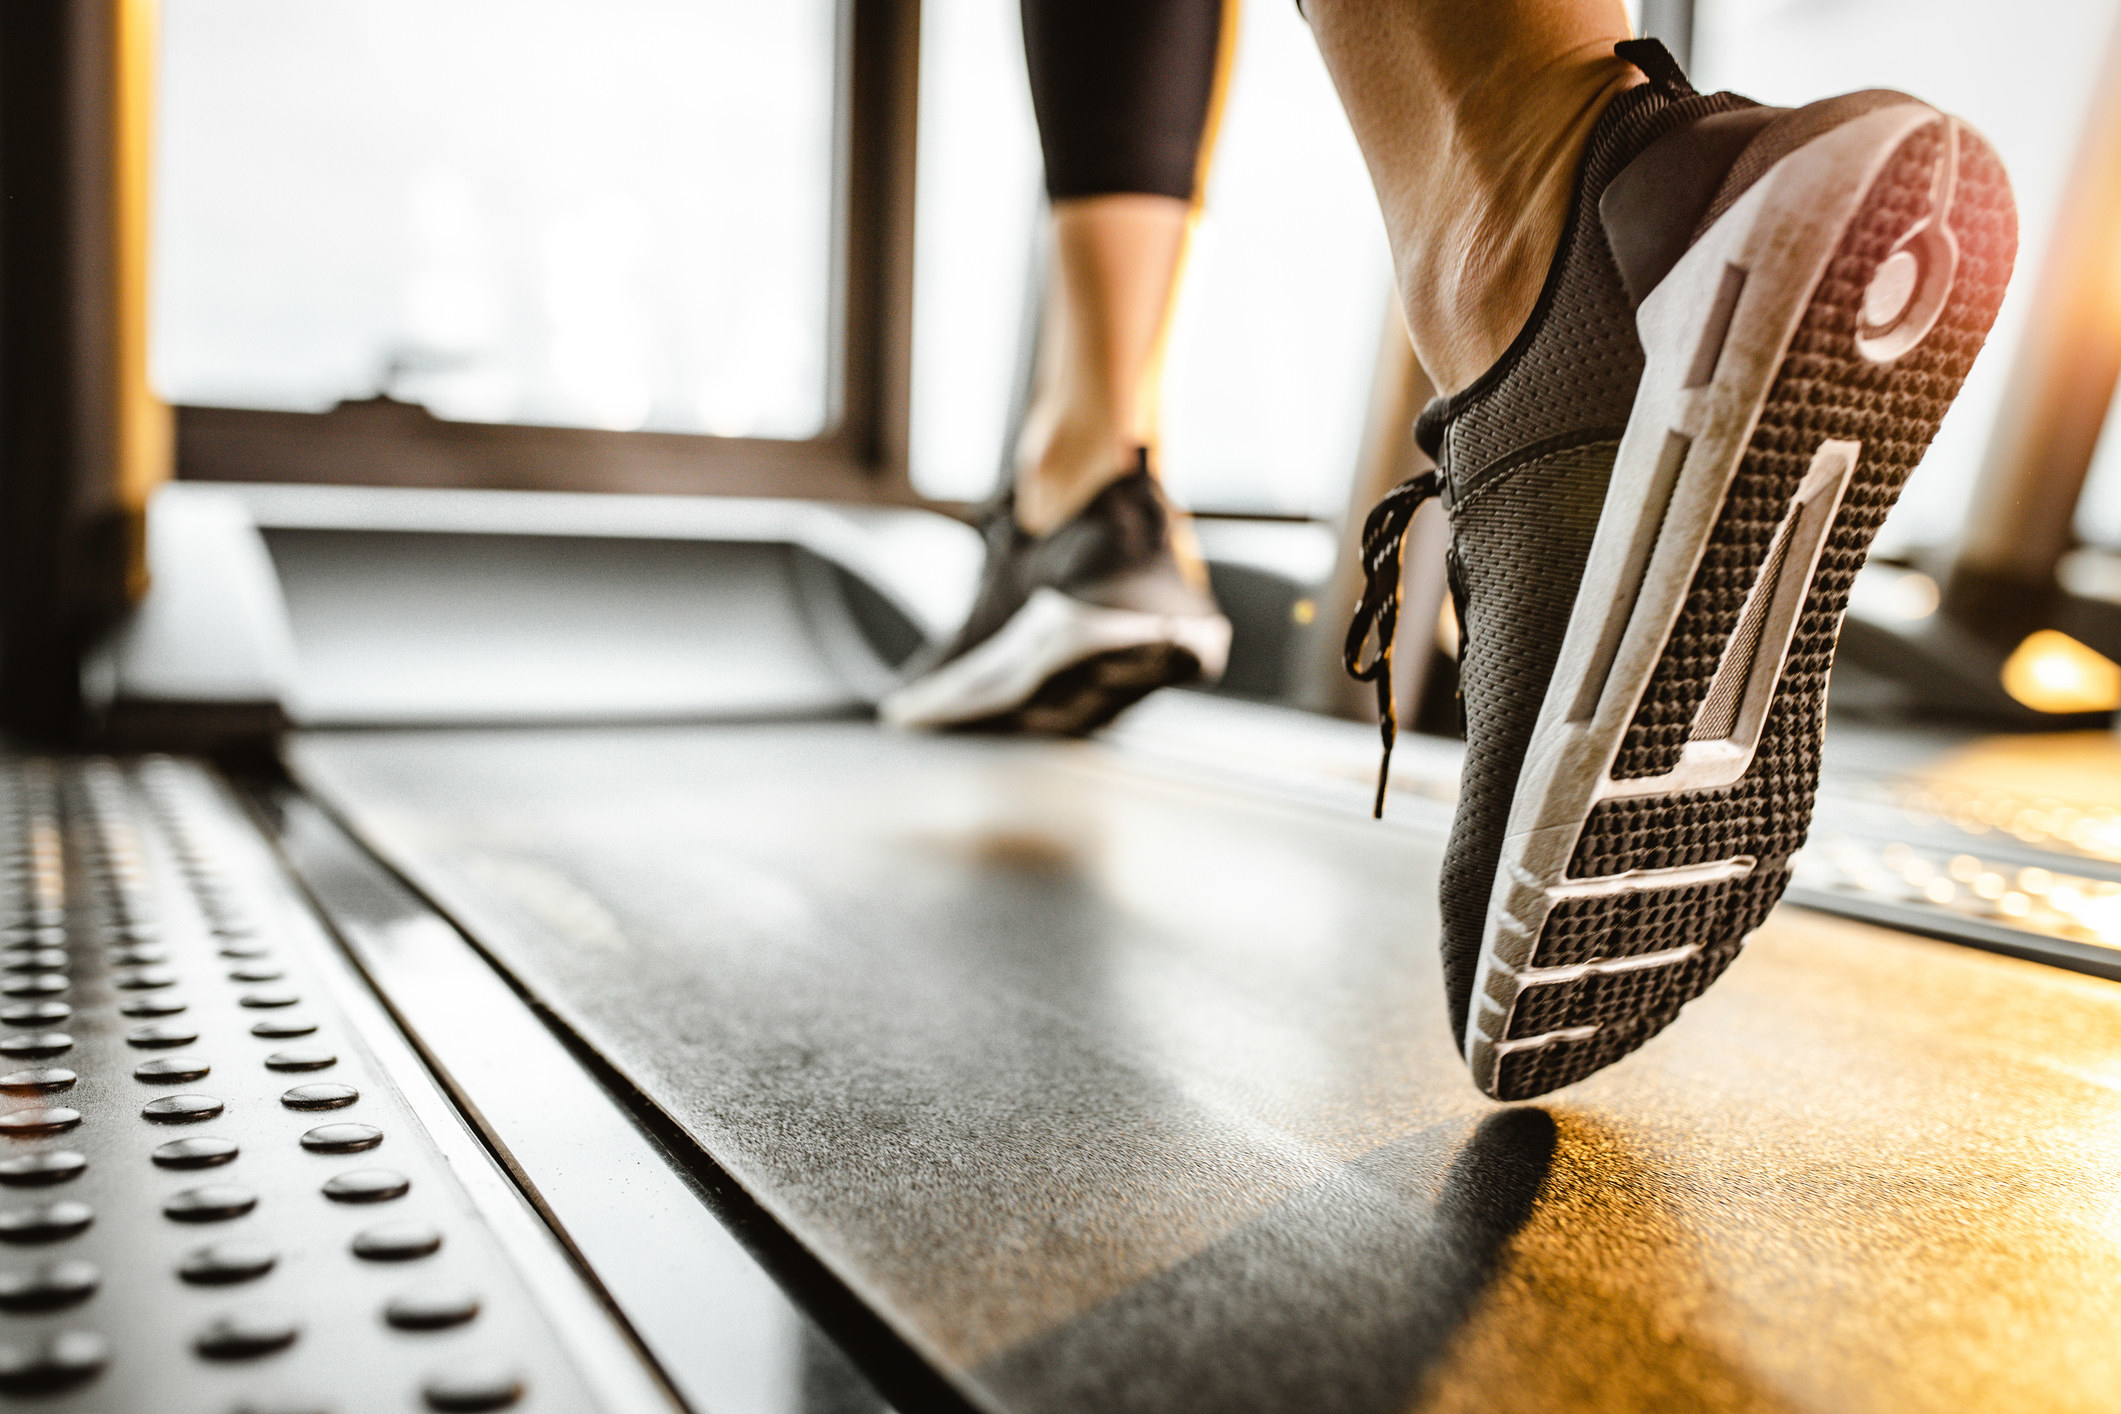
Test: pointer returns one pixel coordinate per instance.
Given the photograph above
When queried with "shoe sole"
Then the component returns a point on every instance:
(1783, 404)
(1061, 666)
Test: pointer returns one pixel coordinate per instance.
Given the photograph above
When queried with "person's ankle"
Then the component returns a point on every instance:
(1061, 472)
(1469, 282)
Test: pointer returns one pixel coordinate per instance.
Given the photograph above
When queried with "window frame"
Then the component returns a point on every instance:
(862, 454)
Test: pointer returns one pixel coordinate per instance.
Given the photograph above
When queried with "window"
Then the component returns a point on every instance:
(646, 245)
(614, 216)
(1280, 319)
(977, 210)
(2099, 511)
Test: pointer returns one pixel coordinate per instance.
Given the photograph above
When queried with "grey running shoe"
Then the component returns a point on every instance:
(1659, 497)
(1071, 628)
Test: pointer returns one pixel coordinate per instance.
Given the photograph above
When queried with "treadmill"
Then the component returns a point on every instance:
(471, 949)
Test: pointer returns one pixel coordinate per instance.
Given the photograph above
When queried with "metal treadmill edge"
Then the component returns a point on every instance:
(602, 1348)
(224, 1248)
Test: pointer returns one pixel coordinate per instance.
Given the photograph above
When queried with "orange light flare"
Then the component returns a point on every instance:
(2054, 673)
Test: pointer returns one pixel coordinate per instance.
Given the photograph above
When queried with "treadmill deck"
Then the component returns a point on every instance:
(1123, 1088)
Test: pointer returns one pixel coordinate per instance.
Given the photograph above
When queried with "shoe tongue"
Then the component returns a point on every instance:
(1657, 65)
(1429, 427)
(1134, 496)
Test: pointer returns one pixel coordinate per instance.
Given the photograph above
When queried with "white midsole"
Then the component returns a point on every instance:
(1049, 633)
(1781, 234)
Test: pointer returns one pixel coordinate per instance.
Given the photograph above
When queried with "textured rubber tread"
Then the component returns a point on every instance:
(1824, 389)
(1652, 920)
(1612, 998)
(1089, 693)
(1627, 1020)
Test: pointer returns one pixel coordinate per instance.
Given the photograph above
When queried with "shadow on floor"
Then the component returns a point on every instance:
(1342, 1297)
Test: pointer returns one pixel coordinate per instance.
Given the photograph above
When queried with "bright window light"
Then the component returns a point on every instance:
(614, 214)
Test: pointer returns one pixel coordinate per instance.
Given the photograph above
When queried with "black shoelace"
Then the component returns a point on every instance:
(1384, 538)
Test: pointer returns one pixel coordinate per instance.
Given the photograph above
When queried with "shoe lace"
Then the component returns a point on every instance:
(1384, 538)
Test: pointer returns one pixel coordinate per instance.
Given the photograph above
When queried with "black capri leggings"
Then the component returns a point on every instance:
(1123, 90)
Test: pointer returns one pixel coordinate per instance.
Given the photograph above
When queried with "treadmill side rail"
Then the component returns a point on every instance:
(279, 1203)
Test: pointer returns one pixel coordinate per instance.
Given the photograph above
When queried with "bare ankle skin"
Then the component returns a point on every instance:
(1473, 116)
(1116, 261)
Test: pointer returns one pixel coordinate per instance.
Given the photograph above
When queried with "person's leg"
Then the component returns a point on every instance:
(1473, 116)
(1116, 262)
(1093, 594)
(1125, 92)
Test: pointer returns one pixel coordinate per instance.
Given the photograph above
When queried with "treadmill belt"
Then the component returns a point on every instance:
(1114, 1088)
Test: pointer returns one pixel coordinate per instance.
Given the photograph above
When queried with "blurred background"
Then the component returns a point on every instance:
(620, 216)
(701, 231)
